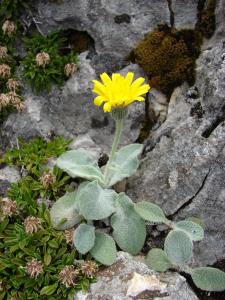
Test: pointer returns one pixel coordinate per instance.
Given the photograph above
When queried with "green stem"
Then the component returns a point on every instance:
(119, 128)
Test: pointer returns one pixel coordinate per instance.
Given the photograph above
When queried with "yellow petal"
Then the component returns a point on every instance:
(140, 98)
(129, 78)
(99, 88)
(115, 77)
(143, 89)
(98, 100)
(107, 107)
(137, 82)
(105, 79)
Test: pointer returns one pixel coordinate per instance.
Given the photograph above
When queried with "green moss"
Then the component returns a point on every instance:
(168, 57)
(206, 18)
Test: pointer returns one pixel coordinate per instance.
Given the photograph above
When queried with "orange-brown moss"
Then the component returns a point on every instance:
(168, 57)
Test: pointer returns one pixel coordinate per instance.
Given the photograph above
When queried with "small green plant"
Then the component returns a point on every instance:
(95, 202)
(34, 154)
(12, 9)
(44, 65)
(32, 258)
(178, 249)
(36, 261)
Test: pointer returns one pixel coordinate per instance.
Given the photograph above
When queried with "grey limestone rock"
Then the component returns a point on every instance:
(129, 278)
(8, 175)
(183, 166)
(70, 112)
(116, 26)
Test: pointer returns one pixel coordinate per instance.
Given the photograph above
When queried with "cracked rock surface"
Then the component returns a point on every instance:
(8, 175)
(129, 278)
(183, 165)
(70, 112)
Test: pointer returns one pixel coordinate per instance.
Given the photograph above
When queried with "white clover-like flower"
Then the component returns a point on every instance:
(3, 52)
(34, 268)
(5, 71)
(9, 28)
(70, 69)
(32, 224)
(68, 276)
(8, 207)
(42, 59)
(13, 84)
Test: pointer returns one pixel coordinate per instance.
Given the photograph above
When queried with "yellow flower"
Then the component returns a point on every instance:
(120, 91)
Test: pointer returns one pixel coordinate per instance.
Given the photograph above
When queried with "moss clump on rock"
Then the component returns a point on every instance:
(168, 56)
(206, 18)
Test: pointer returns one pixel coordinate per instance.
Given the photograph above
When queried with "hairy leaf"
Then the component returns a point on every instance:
(125, 163)
(129, 229)
(193, 230)
(84, 238)
(64, 212)
(77, 163)
(158, 260)
(104, 249)
(208, 279)
(96, 203)
(150, 212)
(178, 247)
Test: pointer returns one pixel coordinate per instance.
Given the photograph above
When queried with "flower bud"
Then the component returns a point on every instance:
(13, 84)
(47, 179)
(3, 52)
(70, 69)
(9, 28)
(68, 275)
(4, 100)
(5, 71)
(34, 268)
(89, 268)
(42, 59)
(31, 224)
(68, 235)
(20, 106)
(8, 207)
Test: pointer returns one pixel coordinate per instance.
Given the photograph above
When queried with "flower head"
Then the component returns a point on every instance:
(47, 179)
(5, 71)
(32, 224)
(20, 106)
(4, 100)
(9, 27)
(70, 69)
(68, 235)
(13, 84)
(13, 97)
(120, 91)
(42, 59)
(34, 268)
(68, 275)
(89, 268)
(3, 51)
(8, 207)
